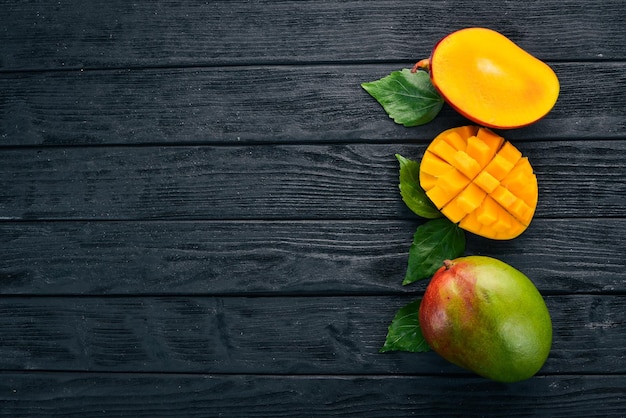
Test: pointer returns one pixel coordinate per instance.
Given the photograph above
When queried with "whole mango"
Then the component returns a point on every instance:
(485, 316)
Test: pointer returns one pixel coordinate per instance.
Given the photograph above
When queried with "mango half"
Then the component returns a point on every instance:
(490, 80)
(480, 181)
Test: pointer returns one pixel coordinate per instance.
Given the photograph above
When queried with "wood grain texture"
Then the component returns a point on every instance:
(269, 335)
(205, 395)
(36, 35)
(284, 257)
(286, 104)
(199, 212)
(576, 179)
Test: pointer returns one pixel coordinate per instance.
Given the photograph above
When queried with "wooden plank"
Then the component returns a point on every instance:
(283, 257)
(275, 335)
(72, 34)
(286, 104)
(576, 179)
(205, 395)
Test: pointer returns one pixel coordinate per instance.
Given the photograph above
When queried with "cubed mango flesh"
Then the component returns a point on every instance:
(480, 181)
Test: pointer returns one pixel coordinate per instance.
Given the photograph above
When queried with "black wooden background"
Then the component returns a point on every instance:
(199, 213)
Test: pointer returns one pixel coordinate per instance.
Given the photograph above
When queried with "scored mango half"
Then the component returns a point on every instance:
(480, 181)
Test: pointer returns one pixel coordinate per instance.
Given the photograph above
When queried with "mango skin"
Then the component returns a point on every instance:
(485, 316)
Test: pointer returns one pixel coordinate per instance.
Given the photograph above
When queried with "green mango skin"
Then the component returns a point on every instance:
(485, 316)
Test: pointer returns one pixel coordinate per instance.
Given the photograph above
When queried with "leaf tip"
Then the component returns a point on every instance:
(366, 86)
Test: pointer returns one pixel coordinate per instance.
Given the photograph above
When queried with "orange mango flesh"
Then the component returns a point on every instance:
(480, 181)
(492, 81)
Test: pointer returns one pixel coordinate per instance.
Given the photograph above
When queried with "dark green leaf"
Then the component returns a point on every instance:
(435, 241)
(408, 98)
(411, 191)
(404, 333)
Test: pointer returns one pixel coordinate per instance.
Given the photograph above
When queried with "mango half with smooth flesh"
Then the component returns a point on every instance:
(480, 181)
(490, 80)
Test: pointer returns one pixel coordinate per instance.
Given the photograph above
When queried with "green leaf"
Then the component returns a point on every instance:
(435, 241)
(404, 332)
(412, 193)
(408, 98)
